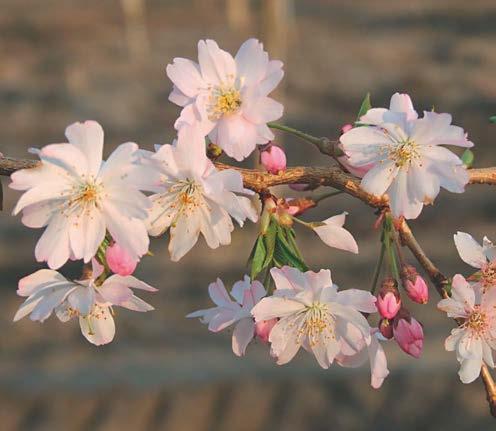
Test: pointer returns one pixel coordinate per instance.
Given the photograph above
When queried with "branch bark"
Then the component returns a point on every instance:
(333, 176)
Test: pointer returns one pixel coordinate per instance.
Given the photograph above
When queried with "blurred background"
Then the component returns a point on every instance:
(66, 60)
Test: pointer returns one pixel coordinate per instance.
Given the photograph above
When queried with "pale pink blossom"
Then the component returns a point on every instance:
(332, 233)
(409, 163)
(263, 328)
(273, 159)
(226, 97)
(482, 257)
(409, 334)
(475, 340)
(48, 291)
(78, 198)
(314, 315)
(119, 260)
(227, 312)
(191, 196)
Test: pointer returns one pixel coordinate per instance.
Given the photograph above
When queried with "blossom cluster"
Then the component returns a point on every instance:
(103, 213)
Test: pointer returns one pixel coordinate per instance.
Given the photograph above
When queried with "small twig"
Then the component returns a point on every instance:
(325, 145)
(378, 268)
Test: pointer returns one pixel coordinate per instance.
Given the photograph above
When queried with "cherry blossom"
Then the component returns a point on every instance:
(78, 197)
(332, 233)
(48, 290)
(314, 315)
(192, 196)
(409, 163)
(228, 312)
(226, 97)
(475, 339)
(482, 257)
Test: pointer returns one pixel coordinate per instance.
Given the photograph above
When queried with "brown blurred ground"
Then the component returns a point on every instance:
(63, 61)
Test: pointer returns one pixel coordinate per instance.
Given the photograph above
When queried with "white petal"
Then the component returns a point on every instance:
(88, 138)
(470, 250)
(243, 333)
(361, 300)
(82, 299)
(185, 74)
(98, 330)
(337, 237)
(470, 370)
(377, 180)
(272, 307)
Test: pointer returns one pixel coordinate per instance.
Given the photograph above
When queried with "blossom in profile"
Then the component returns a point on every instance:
(191, 196)
(48, 291)
(236, 312)
(333, 234)
(78, 197)
(314, 315)
(228, 97)
(475, 339)
(410, 164)
(482, 257)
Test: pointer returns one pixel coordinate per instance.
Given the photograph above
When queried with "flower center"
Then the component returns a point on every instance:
(318, 324)
(403, 153)
(223, 101)
(84, 196)
(477, 321)
(488, 276)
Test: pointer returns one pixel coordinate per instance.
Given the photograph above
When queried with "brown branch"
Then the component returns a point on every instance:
(333, 176)
(440, 282)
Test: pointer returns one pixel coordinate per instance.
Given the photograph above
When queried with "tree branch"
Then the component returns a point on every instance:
(333, 176)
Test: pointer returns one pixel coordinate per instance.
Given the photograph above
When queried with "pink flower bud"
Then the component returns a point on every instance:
(415, 286)
(273, 159)
(386, 328)
(388, 299)
(346, 128)
(408, 333)
(263, 328)
(119, 260)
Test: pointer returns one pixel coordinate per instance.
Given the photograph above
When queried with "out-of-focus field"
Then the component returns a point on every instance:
(63, 61)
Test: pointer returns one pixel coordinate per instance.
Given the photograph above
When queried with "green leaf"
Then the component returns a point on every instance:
(270, 243)
(364, 107)
(492, 119)
(468, 158)
(284, 254)
(258, 257)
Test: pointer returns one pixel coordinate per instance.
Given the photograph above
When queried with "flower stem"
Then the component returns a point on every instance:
(387, 241)
(324, 145)
(378, 267)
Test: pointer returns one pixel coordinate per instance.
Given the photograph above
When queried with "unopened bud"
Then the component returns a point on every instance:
(415, 286)
(388, 299)
(386, 328)
(273, 159)
(346, 128)
(408, 333)
(263, 328)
